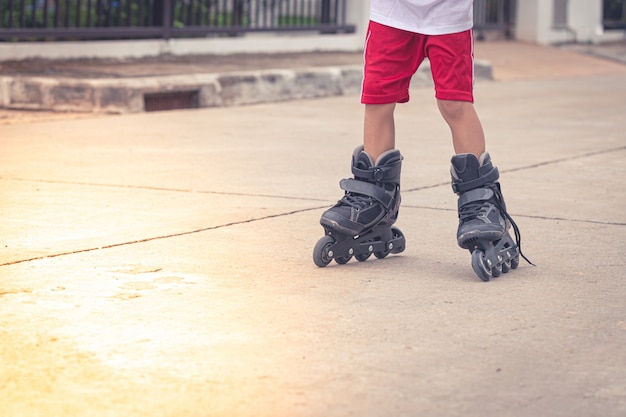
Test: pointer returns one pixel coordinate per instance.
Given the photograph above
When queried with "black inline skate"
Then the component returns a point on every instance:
(483, 219)
(360, 224)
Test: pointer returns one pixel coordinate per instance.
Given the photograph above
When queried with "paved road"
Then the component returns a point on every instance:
(159, 264)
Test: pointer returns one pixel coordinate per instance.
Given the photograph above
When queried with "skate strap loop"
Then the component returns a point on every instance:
(371, 190)
(380, 173)
(483, 179)
(477, 194)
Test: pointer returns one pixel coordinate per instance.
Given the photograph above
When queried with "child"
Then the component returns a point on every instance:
(401, 34)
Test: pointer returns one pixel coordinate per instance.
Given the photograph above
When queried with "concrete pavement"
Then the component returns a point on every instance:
(159, 264)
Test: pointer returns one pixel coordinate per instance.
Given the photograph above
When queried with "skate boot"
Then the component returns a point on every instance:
(360, 224)
(483, 219)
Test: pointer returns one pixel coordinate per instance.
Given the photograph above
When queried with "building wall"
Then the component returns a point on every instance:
(559, 21)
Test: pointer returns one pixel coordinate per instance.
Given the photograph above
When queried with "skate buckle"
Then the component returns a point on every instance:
(378, 174)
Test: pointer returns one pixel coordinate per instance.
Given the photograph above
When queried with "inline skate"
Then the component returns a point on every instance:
(361, 223)
(483, 219)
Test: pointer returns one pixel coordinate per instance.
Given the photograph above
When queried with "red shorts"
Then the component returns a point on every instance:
(392, 56)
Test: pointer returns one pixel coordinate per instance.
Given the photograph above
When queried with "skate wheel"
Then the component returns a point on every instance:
(363, 257)
(515, 262)
(398, 235)
(496, 271)
(381, 255)
(506, 266)
(320, 252)
(343, 259)
(480, 266)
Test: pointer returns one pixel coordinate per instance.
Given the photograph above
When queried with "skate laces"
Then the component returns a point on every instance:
(507, 216)
(354, 200)
(473, 210)
(518, 236)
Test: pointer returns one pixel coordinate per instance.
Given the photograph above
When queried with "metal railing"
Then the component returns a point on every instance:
(614, 14)
(24, 20)
(122, 19)
(494, 15)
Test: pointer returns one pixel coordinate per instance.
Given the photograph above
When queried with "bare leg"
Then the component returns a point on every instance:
(467, 132)
(379, 133)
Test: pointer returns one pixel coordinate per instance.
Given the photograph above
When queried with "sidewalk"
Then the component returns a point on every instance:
(106, 86)
(159, 264)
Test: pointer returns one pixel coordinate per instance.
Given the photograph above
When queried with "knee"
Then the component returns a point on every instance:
(452, 110)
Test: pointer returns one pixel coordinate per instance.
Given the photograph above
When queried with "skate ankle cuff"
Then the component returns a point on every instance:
(366, 188)
(460, 186)
(382, 173)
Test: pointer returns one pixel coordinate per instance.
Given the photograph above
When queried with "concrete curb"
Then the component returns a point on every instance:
(128, 95)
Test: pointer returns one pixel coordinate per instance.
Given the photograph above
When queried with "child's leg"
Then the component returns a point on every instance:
(391, 58)
(372, 198)
(483, 219)
(452, 65)
(467, 132)
(480, 214)
(379, 133)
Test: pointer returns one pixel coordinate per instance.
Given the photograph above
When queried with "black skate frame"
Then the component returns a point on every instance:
(379, 241)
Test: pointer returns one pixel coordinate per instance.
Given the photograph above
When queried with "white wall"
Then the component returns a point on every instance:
(358, 12)
(535, 23)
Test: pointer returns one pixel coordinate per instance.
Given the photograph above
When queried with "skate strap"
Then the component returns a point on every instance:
(484, 179)
(477, 194)
(366, 188)
(380, 173)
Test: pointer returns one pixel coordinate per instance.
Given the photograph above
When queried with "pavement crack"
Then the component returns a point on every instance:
(153, 188)
(526, 216)
(524, 168)
(565, 219)
(161, 237)
(566, 159)
(172, 235)
(527, 167)
(426, 187)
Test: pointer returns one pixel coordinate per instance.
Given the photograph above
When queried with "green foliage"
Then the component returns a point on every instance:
(71, 13)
